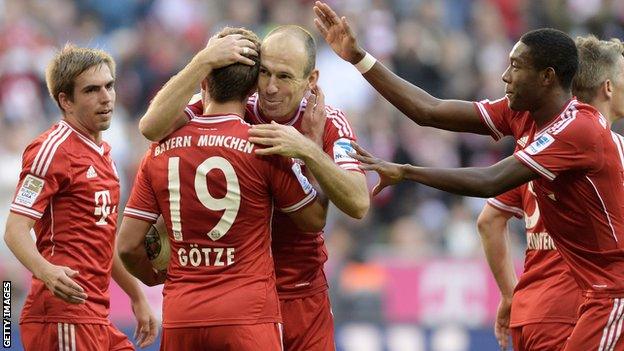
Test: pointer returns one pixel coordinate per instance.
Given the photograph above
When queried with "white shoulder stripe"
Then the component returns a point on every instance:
(53, 151)
(45, 147)
(301, 203)
(342, 120)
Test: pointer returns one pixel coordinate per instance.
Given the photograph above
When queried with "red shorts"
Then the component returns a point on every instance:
(308, 323)
(252, 337)
(541, 336)
(72, 337)
(599, 326)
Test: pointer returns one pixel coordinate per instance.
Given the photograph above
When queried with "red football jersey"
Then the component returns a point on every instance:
(299, 256)
(217, 198)
(546, 291)
(581, 189)
(69, 186)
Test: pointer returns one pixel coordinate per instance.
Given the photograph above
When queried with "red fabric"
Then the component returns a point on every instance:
(69, 185)
(541, 336)
(546, 291)
(215, 280)
(265, 336)
(67, 336)
(299, 256)
(580, 189)
(599, 327)
(308, 323)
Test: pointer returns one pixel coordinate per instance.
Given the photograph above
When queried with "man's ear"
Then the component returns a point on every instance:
(313, 79)
(607, 88)
(65, 101)
(549, 76)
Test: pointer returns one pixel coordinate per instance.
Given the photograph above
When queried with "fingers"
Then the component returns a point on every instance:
(262, 141)
(329, 14)
(321, 28)
(320, 13)
(263, 130)
(152, 334)
(360, 150)
(275, 150)
(347, 27)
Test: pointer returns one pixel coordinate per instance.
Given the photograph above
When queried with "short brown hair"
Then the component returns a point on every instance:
(68, 64)
(597, 63)
(236, 81)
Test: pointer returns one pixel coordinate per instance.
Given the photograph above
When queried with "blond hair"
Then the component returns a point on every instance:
(597, 63)
(68, 64)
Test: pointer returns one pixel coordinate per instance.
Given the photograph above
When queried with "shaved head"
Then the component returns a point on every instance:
(302, 36)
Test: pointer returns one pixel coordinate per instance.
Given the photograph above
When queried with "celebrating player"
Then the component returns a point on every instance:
(217, 197)
(546, 280)
(287, 72)
(568, 144)
(68, 192)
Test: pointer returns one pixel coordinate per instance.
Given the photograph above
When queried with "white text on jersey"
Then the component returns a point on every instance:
(206, 256)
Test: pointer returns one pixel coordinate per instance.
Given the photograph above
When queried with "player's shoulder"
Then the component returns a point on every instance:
(580, 120)
(337, 121)
(53, 146)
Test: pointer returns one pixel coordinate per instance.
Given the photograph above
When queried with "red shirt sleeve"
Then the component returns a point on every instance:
(496, 115)
(291, 189)
(337, 138)
(509, 202)
(45, 171)
(142, 203)
(573, 144)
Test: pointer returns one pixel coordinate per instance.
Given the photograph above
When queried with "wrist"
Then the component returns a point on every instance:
(365, 63)
(359, 55)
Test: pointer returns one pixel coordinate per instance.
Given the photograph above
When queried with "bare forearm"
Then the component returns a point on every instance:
(346, 189)
(137, 264)
(479, 182)
(166, 110)
(499, 258)
(19, 241)
(423, 108)
(125, 280)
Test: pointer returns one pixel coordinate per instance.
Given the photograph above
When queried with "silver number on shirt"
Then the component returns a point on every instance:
(229, 204)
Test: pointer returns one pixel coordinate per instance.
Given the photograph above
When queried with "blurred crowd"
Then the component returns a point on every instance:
(451, 48)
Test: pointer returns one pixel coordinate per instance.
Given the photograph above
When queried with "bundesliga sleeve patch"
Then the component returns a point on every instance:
(29, 191)
(342, 147)
(303, 180)
(540, 144)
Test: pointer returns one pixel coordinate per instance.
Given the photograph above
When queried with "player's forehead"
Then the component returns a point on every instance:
(95, 75)
(283, 53)
(520, 53)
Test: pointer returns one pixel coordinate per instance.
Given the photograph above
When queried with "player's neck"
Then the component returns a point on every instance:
(95, 136)
(551, 107)
(226, 108)
(603, 107)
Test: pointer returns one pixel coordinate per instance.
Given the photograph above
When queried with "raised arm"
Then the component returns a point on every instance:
(492, 226)
(165, 113)
(415, 103)
(474, 181)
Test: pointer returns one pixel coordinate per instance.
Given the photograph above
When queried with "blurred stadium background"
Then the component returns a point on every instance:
(411, 275)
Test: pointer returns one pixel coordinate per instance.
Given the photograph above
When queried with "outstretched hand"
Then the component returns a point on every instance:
(389, 173)
(337, 33)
